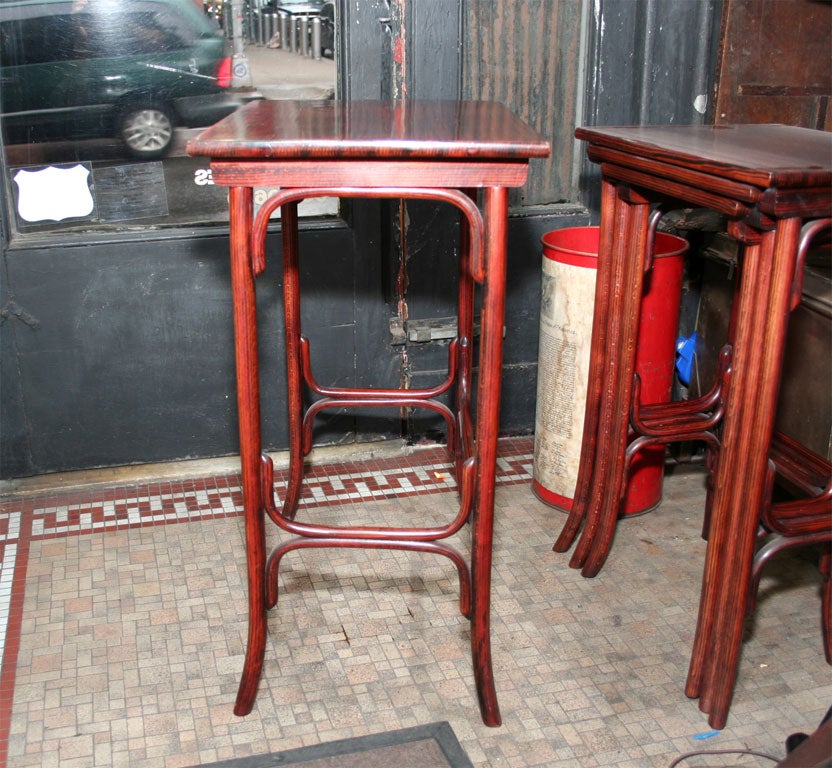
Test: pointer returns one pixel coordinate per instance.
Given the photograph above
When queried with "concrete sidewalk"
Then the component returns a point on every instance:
(279, 74)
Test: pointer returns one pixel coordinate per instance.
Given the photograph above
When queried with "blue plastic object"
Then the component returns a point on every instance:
(685, 352)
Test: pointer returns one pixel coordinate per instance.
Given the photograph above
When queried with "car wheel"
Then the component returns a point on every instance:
(147, 130)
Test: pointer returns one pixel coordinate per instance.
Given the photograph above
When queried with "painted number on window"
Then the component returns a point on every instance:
(203, 176)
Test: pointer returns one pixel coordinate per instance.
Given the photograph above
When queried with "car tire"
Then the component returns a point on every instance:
(146, 130)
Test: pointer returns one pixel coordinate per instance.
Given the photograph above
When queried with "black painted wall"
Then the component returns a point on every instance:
(125, 353)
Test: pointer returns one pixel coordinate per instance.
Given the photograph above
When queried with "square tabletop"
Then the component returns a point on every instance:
(368, 130)
(763, 155)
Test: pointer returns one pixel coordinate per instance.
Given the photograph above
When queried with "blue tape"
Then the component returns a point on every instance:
(705, 735)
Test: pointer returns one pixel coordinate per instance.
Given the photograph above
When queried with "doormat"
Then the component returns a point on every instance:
(425, 746)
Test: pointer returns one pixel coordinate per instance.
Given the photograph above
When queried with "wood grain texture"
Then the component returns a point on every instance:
(525, 55)
(762, 155)
(441, 130)
(774, 63)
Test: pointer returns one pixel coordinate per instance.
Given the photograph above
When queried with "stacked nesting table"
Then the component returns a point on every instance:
(773, 183)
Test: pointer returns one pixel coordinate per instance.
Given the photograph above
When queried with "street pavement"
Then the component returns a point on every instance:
(279, 74)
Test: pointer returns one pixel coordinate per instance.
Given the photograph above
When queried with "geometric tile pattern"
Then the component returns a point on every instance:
(126, 633)
(189, 501)
(121, 508)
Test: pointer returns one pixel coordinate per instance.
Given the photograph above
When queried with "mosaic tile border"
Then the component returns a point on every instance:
(76, 513)
(187, 501)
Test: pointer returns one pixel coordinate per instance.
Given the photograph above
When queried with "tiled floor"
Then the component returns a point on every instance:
(123, 615)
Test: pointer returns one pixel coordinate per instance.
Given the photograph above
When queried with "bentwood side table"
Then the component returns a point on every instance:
(442, 151)
(773, 183)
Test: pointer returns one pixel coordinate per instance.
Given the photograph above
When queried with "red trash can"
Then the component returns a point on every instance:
(570, 261)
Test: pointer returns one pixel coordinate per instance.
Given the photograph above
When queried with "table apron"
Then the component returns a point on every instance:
(804, 203)
(676, 190)
(734, 190)
(368, 173)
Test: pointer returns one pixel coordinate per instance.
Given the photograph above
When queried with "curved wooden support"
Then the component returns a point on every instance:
(286, 196)
(605, 327)
(370, 532)
(774, 547)
(376, 393)
(655, 424)
(465, 333)
(495, 205)
(807, 235)
(644, 441)
(294, 377)
(684, 417)
(335, 397)
(438, 548)
(801, 470)
(248, 398)
(464, 445)
(602, 541)
(801, 517)
(656, 215)
(367, 401)
(798, 522)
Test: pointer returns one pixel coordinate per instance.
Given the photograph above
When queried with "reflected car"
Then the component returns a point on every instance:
(131, 69)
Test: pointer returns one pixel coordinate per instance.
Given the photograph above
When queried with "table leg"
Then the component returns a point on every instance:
(741, 473)
(632, 243)
(294, 375)
(460, 443)
(248, 408)
(495, 205)
(627, 244)
(596, 376)
(751, 292)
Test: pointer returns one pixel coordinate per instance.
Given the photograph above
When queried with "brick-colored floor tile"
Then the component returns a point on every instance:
(131, 639)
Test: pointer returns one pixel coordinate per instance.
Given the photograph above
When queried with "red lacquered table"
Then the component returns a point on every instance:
(773, 184)
(442, 151)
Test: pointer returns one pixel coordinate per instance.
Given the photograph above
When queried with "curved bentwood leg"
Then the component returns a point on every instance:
(628, 231)
(495, 205)
(599, 528)
(303, 542)
(743, 462)
(595, 380)
(745, 314)
(248, 404)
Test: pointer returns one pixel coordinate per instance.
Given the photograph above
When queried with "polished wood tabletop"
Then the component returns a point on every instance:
(761, 155)
(437, 130)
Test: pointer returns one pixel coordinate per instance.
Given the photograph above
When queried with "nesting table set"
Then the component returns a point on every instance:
(768, 181)
(773, 184)
(465, 154)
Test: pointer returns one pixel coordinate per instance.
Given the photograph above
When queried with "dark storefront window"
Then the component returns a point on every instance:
(99, 98)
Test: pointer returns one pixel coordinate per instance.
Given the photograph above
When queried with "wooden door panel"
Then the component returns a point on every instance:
(775, 64)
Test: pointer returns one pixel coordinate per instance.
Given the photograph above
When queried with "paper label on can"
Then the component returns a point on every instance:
(566, 307)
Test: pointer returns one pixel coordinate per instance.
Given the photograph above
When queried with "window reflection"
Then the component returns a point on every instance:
(112, 84)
